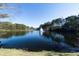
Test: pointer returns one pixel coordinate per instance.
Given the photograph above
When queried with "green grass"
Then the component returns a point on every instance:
(19, 52)
(13, 30)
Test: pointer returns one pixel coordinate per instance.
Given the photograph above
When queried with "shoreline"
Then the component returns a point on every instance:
(20, 52)
(2, 30)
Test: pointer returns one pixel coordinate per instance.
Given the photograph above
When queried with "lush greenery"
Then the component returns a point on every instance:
(5, 26)
(68, 23)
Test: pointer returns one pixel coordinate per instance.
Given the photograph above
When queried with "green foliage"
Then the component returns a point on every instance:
(20, 26)
(10, 26)
(71, 22)
(57, 21)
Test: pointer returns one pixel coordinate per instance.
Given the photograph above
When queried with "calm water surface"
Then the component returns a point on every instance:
(36, 41)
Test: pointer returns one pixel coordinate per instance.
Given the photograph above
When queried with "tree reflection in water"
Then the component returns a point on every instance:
(72, 39)
(8, 34)
(54, 36)
(67, 41)
(69, 38)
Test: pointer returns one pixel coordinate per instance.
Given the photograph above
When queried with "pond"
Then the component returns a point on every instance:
(36, 40)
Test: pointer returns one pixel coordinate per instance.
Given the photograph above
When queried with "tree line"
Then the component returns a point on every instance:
(11, 26)
(70, 23)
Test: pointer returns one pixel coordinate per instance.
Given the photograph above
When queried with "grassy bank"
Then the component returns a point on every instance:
(19, 52)
(27, 30)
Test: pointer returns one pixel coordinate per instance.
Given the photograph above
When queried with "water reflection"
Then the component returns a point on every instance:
(8, 34)
(40, 41)
(67, 42)
(54, 36)
(72, 39)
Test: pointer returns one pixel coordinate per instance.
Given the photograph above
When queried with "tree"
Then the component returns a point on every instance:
(69, 23)
(57, 22)
(72, 22)
(20, 26)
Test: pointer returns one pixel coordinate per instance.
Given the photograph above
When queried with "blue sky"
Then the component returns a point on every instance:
(34, 14)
